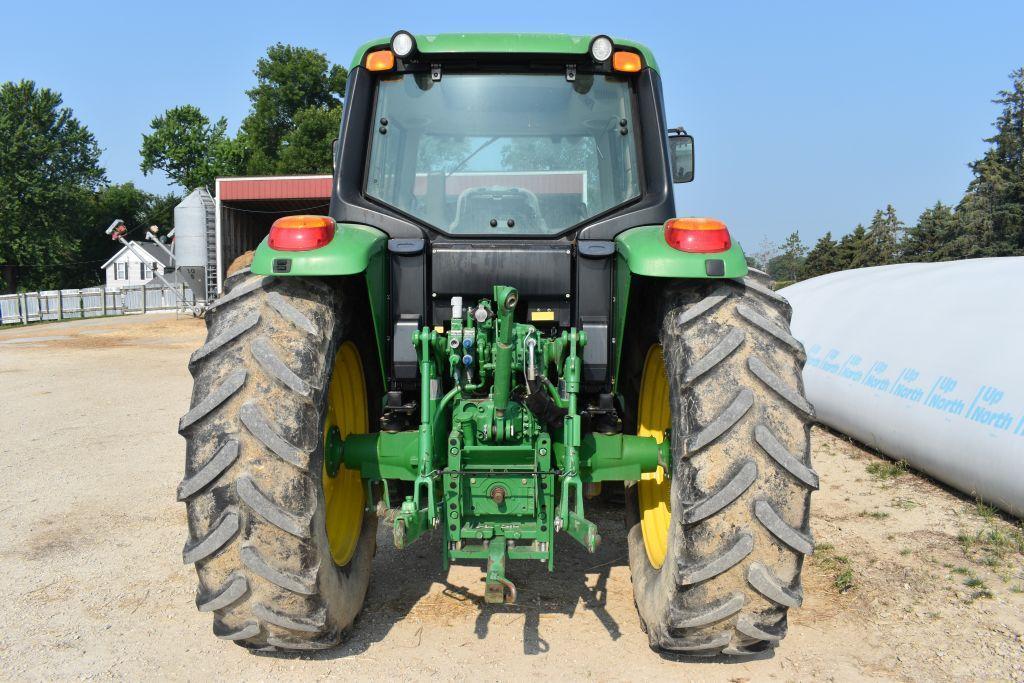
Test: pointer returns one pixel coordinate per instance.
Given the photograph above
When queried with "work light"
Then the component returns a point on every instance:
(601, 48)
(402, 44)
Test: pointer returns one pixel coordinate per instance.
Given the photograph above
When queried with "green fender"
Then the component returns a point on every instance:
(644, 252)
(355, 249)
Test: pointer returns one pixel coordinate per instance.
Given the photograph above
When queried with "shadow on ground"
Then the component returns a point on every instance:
(402, 579)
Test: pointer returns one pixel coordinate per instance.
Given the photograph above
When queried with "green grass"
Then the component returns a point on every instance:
(844, 580)
(1017, 588)
(838, 565)
(874, 514)
(974, 582)
(883, 470)
(991, 547)
(960, 570)
(986, 512)
(905, 551)
(905, 503)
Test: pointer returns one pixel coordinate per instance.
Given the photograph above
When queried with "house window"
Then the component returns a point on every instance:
(120, 271)
(142, 271)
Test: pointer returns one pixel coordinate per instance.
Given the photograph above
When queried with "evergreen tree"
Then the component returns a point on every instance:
(932, 237)
(787, 266)
(822, 259)
(883, 238)
(852, 250)
(992, 211)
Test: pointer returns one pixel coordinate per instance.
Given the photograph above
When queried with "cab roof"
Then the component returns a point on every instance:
(504, 43)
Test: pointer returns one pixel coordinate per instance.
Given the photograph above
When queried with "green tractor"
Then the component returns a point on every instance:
(500, 314)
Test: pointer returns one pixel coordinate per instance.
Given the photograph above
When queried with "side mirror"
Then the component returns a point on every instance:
(680, 149)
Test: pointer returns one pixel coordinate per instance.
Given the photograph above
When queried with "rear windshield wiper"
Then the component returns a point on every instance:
(472, 154)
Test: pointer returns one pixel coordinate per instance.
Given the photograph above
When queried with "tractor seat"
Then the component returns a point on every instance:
(478, 206)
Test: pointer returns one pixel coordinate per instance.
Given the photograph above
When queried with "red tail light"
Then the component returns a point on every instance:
(697, 235)
(301, 233)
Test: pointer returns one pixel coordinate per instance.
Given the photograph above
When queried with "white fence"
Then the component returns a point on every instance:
(28, 307)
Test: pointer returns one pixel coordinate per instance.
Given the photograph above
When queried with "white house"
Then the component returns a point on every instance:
(135, 265)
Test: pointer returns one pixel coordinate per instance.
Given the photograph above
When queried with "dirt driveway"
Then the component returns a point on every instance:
(909, 582)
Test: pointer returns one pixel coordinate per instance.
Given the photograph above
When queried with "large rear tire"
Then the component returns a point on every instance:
(716, 550)
(273, 570)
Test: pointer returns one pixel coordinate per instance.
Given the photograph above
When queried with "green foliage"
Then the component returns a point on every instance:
(886, 469)
(49, 166)
(137, 208)
(297, 92)
(882, 241)
(186, 146)
(789, 263)
(295, 115)
(992, 211)
(822, 259)
(931, 238)
(839, 566)
(852, 250)
(307, 148)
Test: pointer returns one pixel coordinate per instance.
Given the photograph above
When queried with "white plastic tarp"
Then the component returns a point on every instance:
(925, 363)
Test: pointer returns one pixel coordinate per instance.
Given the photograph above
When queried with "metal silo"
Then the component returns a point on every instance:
(194, 239)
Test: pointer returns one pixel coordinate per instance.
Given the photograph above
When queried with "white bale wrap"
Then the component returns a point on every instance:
(925, 363)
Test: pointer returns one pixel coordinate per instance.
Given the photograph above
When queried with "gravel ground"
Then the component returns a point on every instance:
(910, 581)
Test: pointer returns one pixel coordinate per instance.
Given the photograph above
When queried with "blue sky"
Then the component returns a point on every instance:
(808, 116)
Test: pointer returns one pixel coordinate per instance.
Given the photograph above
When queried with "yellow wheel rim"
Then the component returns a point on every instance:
(653, 489)
(343, 493)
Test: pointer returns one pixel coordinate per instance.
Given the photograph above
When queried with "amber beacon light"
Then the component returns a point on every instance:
(627, 62)
(381, 60)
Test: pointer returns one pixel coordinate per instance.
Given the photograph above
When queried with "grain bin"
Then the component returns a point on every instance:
(193, 234)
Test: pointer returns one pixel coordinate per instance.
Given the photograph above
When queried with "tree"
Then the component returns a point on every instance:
(852, 252)
(298, 93)
(188, 148)
(883, 238)
(295, 116)
(787, 266)
(765, 252)
(307, 148)
(49, 165)
(137, 208)
(992, 210)
(822, 259)
(931, 238)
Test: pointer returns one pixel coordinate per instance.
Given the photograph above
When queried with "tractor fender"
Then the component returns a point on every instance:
(644, 251)
(349, 253)
(355, 250)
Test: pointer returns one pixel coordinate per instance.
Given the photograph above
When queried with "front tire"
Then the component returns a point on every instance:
(717, 549)
(254, 485)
